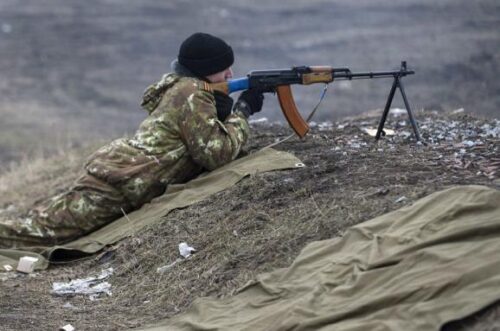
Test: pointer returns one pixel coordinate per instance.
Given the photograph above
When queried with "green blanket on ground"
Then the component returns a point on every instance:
(412, 269)
(177, 196)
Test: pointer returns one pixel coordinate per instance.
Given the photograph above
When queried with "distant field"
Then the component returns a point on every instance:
(73, 71)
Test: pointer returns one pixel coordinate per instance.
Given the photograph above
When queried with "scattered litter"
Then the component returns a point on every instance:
(235, 233)
(458, 111)
(161, 270)
(341, 126)
(5, 276)
(7, 267)
(373, 132)
(325, 126)
(300, 165)
(26, 264)
(405, 134)
(489, 131)
(356, 143)
(402, 123)
(397, 111)
(92, 286)
(400, 199)
(185, 250)
(67, 327)
(258, 120)
(468, 143)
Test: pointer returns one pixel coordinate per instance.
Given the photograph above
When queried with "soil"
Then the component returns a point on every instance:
(263, 222)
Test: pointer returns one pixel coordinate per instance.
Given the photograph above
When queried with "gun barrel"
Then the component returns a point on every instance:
(343, 75)
(268, 80)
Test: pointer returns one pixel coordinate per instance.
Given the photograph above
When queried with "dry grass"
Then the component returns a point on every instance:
(256, 226)
(32, 179)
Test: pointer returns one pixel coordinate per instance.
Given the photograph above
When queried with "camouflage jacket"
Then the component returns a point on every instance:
(178, 140)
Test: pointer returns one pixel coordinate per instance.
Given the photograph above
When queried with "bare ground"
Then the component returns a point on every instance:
(256, 226)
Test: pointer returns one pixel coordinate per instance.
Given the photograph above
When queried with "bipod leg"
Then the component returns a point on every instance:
(386, 109)
(410, 114)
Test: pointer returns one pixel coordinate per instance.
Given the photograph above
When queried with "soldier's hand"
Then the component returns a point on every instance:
(223, 104)
(250, 102)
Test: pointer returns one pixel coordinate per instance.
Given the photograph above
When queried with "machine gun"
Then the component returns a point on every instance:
(279, 80)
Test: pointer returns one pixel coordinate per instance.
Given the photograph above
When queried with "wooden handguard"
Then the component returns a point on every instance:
(291, 112)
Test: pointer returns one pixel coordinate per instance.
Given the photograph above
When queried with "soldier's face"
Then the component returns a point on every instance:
(221, 76)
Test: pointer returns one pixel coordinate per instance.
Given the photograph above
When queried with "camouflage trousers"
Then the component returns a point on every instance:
(90, 204)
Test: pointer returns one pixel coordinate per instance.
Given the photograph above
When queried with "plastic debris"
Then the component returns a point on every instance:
(373, 132)
(92, 286)
(26, 264)
(185, 250)
(468, 143)
(405, 134)
(67, 327)
(325, 126)
(400, 199)
(8, 267)
(397, 111)
(258, 120)
(489, 131)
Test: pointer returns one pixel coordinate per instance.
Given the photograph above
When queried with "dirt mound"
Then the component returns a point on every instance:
(262, 223)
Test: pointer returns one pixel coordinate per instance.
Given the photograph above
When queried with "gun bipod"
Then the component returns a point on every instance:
(398, 84)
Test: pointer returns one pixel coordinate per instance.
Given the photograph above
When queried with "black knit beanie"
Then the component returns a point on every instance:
(204, 54)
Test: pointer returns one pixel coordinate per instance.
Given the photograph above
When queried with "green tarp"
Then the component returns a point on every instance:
(177, 196)
(412, 269)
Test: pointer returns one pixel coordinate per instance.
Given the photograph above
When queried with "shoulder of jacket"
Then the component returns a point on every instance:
(194, 84)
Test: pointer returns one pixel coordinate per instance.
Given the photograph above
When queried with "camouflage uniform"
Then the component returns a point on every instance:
(178, 140)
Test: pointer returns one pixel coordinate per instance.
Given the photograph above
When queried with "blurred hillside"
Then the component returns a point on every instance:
(74, 71)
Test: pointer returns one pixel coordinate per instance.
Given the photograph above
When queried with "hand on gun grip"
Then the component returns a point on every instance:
(250, 102)
(223, 104)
